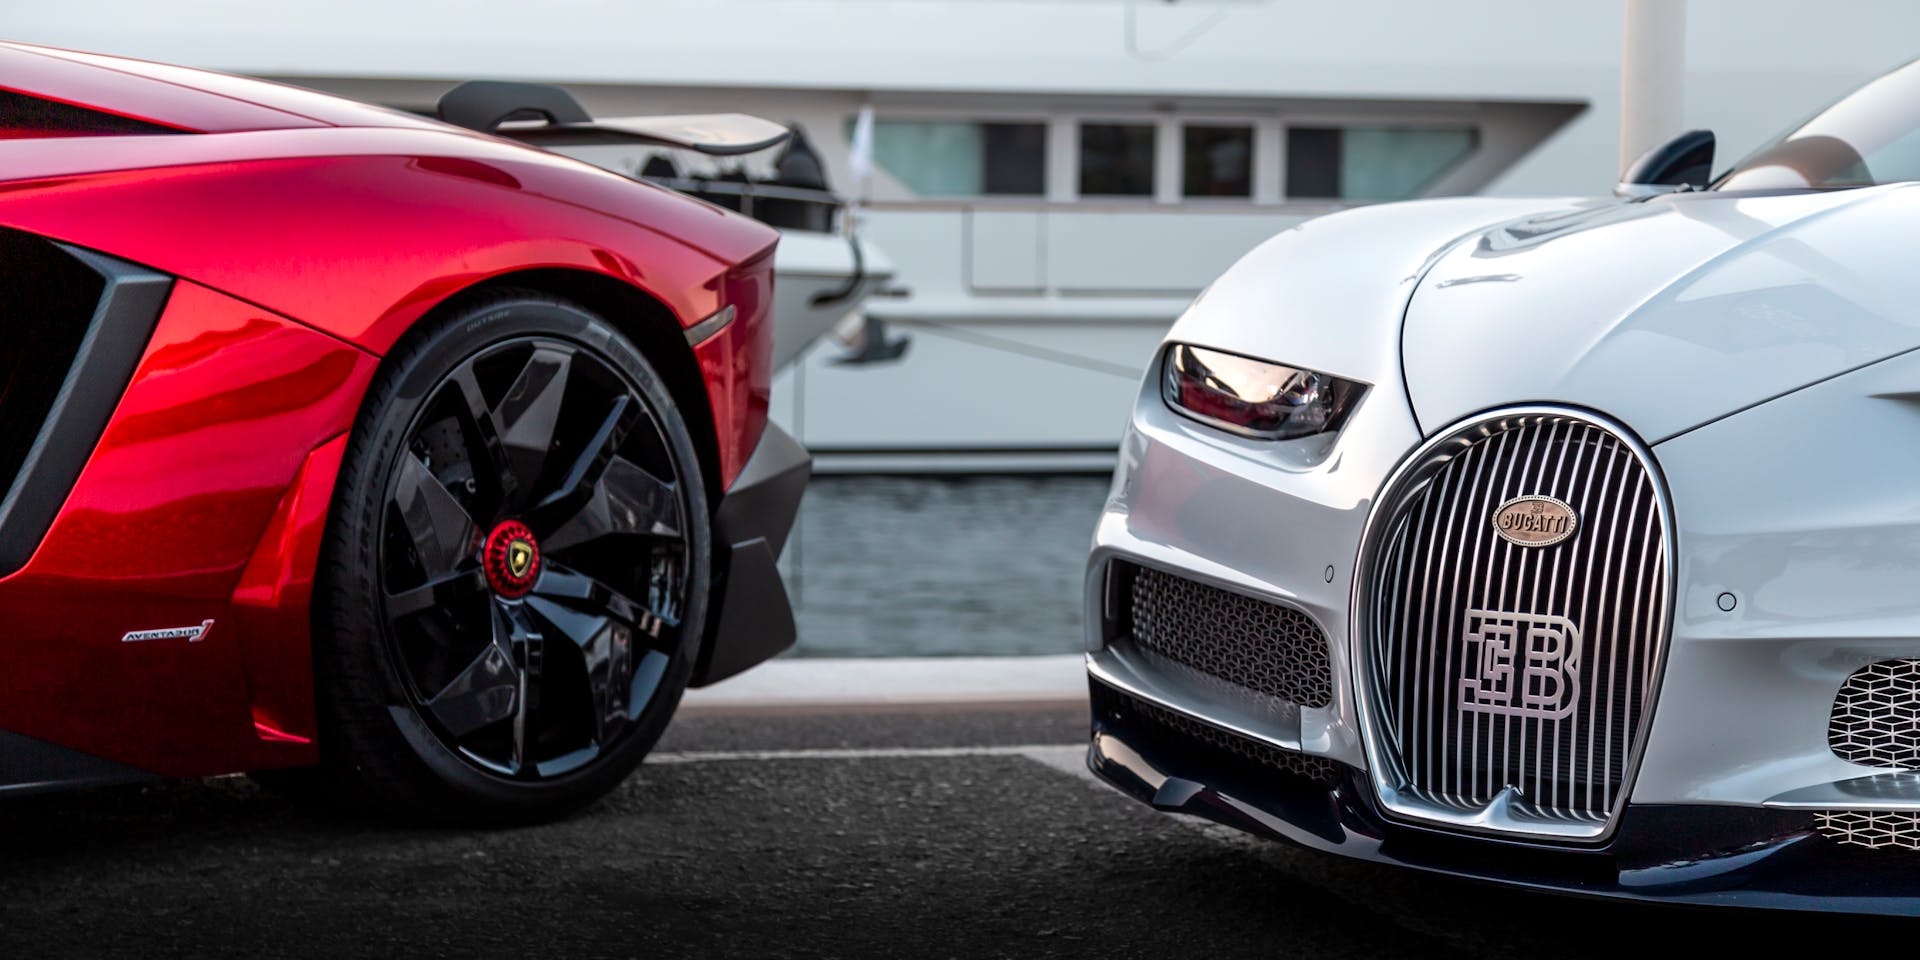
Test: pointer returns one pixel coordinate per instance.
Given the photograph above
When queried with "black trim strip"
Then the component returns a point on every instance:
(123, 322)
(28, 766)
(752, 619)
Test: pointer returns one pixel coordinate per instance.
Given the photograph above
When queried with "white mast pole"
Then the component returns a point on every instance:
(1653, 61)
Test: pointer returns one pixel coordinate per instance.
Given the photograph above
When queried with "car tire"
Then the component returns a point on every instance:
(513, 586)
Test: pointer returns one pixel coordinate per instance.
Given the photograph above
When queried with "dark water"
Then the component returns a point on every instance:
(941, 566)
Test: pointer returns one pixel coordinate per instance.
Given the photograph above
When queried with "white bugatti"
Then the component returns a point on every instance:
(1567, 544)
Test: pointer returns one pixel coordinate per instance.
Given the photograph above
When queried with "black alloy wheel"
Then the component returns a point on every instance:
(538, 566)
(528, 633)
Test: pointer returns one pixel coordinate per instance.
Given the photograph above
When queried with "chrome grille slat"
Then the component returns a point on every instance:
(1477, 505)
(1607, 585)
(1518, 742)
(1451, 734)
(1505, 582)
(1424, 652)
(1425, 567)
(1399, 570)
(1594, 446)
(1606, 784)
(1533, 731)
(1546, 789)
(1500, 465)
(1498, 483)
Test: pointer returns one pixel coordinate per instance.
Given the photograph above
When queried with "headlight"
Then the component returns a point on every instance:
(1254, 398)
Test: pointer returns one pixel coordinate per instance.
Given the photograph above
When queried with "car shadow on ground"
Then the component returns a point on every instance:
(884, 857)
(112, 821)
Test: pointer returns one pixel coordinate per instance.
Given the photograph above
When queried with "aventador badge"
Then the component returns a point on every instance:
(189, 634)
(519, 557)
(1535, 521)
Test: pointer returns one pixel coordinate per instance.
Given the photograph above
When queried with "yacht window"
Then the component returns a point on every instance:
(938, 158)
(1218, 162)
(1116, 160)
(1372, 163)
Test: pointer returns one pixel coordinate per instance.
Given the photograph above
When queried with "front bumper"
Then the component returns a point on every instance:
(1780, 598)
(752, 620)
(1679, 853)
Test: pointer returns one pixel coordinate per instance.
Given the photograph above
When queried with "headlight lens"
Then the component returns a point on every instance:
(1255, 398)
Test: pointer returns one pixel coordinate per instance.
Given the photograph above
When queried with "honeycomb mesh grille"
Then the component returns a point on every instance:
(1873, 829)
(1160, 722)
(1876, 716)
(1250, 643)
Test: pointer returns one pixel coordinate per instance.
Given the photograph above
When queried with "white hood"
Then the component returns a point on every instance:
(1665, 314)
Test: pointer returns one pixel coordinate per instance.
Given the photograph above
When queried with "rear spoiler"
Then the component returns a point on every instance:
(485, 105)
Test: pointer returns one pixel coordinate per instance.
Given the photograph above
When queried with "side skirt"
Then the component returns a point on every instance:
(35, 766)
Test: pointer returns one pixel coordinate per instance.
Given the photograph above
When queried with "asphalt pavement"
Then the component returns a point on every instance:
(824, 832)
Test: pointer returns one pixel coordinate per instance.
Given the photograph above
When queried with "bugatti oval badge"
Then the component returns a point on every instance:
(1535, 521)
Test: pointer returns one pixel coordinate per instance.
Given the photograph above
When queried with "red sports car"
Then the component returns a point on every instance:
(336, 437)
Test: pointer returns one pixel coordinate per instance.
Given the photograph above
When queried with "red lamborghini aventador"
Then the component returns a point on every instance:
(337, 437)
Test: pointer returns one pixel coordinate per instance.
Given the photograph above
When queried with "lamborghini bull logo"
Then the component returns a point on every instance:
(1520, 665)
(519, 558)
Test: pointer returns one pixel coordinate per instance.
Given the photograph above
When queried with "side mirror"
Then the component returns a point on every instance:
(1685, 162)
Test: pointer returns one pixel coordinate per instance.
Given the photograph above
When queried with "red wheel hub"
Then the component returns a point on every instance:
(512, 559)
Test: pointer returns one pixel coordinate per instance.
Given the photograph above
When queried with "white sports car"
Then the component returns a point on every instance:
(1568, 544)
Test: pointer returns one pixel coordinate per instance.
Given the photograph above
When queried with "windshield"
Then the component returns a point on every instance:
(1870, 136)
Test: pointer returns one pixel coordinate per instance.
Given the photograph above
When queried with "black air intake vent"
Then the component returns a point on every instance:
(1264, 647)
(74, 324)
(47, 299)
(1161, 729)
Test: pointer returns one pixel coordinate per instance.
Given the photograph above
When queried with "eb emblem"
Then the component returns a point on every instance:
(1520, 665)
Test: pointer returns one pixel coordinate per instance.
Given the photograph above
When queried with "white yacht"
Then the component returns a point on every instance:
(1051, 180)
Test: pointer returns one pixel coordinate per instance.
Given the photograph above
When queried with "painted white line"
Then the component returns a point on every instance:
(1067, 758)
(859, 753)
(880, 681)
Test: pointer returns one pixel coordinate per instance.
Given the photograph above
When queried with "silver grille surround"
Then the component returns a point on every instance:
(1407, 792)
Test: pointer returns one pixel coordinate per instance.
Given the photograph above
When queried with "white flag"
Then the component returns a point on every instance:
(860, 163)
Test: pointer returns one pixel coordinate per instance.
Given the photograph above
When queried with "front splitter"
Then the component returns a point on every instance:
(1681, 854)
